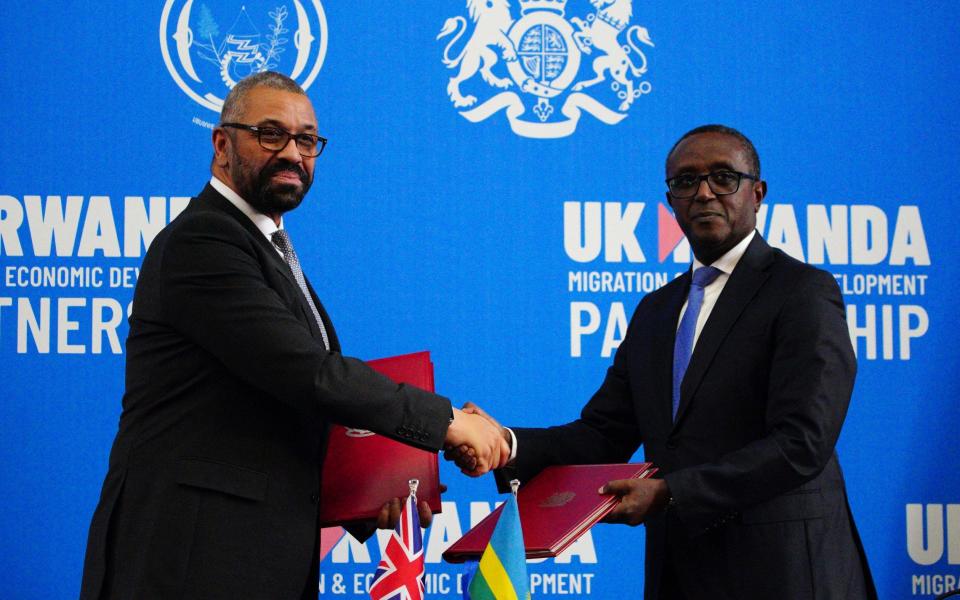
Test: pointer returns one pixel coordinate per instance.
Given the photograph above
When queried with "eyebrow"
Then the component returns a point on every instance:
(714, 166)
(278, 124)
(722, 165)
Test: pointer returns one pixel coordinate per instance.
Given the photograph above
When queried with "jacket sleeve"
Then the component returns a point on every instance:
(214, 292)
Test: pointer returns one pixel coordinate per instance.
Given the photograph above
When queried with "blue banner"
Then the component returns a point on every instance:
(493, 192)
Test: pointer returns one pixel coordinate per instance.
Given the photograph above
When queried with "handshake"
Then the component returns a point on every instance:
(476, 442)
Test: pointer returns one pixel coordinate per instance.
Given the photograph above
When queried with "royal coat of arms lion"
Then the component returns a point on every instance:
(492, 20)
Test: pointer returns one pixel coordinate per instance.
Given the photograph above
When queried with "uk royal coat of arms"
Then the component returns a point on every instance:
(543, 68)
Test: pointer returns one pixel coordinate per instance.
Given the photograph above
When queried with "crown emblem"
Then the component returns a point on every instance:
(558, 499)
(528, 6)
(357, 433)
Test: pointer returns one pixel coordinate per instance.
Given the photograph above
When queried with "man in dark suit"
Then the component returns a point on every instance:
(737, 391)
(234, 372)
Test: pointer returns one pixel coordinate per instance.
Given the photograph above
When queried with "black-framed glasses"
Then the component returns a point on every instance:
(722, 183)
(276, 139)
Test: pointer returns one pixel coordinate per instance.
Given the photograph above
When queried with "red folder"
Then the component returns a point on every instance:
(363, 470)
(557, 507)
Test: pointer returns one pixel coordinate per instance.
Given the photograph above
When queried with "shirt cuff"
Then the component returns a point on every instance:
(513, 445)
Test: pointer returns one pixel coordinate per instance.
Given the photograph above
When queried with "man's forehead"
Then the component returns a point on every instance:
(709, 149)
(264, 104)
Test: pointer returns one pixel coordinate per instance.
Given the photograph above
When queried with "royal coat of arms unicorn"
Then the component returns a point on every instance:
(601, 32)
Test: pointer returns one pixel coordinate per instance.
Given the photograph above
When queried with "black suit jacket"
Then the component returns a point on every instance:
(213, 484)
(760, 509)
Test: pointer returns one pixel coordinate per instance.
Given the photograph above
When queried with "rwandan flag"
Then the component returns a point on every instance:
(502, 574)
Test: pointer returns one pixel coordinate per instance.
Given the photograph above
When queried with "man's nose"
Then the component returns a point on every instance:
(290, 152)
(704, 193)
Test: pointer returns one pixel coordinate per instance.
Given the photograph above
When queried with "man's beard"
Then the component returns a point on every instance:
(263, 194)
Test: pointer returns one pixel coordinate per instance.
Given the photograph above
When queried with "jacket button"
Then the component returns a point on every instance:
(672, 445)
(315, 498)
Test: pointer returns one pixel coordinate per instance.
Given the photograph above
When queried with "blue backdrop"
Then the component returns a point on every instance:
(511, 236)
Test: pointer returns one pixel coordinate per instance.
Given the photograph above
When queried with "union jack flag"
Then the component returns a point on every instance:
(399, 575)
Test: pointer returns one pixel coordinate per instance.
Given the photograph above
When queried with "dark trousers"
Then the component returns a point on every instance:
(669, 582)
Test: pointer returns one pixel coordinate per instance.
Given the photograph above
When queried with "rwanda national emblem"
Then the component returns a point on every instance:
(542, 53)
(216, 45)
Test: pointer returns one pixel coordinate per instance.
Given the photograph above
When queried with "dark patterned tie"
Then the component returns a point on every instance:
(282, 241)
(683, 347)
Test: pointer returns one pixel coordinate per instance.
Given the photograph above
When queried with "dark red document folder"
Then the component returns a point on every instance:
(363, 470)
(558, 506)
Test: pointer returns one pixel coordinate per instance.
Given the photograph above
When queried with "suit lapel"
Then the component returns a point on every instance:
(746, 279)
(306, 313)
(212, 198)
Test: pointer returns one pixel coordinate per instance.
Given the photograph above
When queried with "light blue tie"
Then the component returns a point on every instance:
(683, 347)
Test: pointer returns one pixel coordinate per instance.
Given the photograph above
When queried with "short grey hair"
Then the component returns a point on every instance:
(235, 103)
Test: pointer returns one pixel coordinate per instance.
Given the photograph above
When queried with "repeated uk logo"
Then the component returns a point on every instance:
(546, 69)
(209, 47)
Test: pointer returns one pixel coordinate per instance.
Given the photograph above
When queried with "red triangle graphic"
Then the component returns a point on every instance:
(329, 536)
(669, 233)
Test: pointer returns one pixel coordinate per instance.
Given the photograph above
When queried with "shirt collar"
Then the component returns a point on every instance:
(728, 262)
(264, 223)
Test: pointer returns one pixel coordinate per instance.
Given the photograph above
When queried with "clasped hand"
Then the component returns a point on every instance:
(475, 442)
(472, 435)
(638, 498)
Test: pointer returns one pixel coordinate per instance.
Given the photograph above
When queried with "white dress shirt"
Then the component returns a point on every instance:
(264, 223)
(725, 264)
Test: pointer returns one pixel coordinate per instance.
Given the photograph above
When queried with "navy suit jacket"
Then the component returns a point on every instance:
(213, 484)
(760, 508)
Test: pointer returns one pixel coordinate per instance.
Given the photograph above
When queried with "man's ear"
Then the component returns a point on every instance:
(220, 142)
(759, 193)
